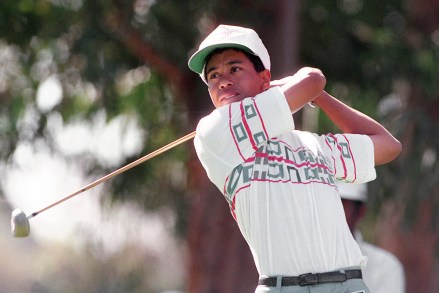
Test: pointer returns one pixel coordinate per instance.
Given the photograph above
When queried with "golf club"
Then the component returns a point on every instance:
(20, 222)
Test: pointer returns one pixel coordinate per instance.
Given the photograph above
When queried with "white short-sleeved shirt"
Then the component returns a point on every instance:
(280, 184)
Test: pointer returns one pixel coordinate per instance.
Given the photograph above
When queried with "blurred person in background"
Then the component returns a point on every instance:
(384, 273)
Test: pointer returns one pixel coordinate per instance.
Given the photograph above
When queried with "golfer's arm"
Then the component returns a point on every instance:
(349, 120)
(301, 88)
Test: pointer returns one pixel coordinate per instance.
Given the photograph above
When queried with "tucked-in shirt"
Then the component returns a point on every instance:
(280, 184)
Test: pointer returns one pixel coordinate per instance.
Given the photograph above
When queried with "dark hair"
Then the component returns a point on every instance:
(255, 60)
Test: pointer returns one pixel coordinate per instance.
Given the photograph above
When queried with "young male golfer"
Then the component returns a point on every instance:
(280, 183)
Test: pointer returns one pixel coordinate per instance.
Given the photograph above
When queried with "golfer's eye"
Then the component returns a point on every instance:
(235, 69)
(213, 76)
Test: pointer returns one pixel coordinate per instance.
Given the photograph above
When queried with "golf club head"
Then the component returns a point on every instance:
(19, 224)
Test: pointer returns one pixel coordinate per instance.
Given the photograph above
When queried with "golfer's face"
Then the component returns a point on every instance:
(231, 77)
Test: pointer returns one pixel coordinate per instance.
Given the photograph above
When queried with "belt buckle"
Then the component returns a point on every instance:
(308, 279)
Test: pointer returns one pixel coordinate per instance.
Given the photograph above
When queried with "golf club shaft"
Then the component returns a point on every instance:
(120, 170)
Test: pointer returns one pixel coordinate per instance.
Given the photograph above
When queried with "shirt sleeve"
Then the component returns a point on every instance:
(353, 157)
(231, 134)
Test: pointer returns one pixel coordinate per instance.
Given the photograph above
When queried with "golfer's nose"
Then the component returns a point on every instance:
(225, 81)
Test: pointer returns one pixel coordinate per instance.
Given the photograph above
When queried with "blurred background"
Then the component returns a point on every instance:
(89, 86)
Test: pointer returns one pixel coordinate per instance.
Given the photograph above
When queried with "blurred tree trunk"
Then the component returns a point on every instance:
(416, 243)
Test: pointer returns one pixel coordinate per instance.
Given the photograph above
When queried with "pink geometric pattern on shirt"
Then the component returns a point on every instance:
(277, 162)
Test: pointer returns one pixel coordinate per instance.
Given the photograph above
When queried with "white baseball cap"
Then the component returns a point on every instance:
(229, 36)
(352, 191)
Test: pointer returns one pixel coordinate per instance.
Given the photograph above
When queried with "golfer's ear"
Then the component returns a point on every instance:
(266, 77)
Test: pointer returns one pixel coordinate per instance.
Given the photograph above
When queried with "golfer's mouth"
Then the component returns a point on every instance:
(228, 95)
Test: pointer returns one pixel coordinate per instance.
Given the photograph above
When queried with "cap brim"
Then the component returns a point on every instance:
(197, 60)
